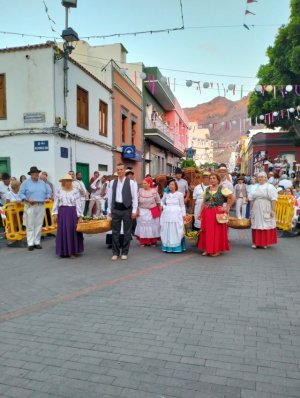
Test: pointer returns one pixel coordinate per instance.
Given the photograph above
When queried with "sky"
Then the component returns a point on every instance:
(210, 51)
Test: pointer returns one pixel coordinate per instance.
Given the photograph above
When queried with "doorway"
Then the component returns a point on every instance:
(5, 165)
(84, 169)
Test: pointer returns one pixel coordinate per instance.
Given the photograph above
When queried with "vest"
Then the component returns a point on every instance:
(240, 190)
(126, 194)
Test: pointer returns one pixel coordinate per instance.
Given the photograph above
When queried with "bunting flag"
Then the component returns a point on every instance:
(251, 1)
(249, 12)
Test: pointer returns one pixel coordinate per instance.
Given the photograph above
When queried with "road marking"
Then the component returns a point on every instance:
(90, 289)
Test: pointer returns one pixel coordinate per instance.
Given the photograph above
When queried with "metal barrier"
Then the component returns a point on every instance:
(13, 221)
(284, 212)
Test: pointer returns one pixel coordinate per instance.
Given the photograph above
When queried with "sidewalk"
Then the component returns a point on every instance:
(157, 325)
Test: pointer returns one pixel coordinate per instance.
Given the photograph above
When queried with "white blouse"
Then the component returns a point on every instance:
(67, 198)
(264, 191)
(174, 199)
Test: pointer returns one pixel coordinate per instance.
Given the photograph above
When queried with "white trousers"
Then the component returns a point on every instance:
(98, 206)
(240, 208)
(34, 222)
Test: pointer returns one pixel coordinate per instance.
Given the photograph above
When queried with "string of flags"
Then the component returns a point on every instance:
(282, 90)
(272, 117)
(246, 123)
(51, 20)
(248, 13)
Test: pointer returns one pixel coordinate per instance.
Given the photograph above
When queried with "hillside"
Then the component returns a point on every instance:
(218, 110)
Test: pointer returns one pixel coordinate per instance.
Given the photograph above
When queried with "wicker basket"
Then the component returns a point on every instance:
(236, 223)
(160, 177)
(188, 220)
(94, 226)
(192, 237)
(189, 169)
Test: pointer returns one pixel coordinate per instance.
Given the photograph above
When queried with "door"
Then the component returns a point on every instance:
(84, 169)
(4, 165)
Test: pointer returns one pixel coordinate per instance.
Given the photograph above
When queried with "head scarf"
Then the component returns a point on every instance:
(149, 181)
(262, 174)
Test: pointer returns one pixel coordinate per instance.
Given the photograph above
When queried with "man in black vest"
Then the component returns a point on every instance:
(122, 206)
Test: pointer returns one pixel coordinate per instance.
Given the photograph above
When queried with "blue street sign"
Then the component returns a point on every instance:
(64, 152)
(128, 152)
(41, 146)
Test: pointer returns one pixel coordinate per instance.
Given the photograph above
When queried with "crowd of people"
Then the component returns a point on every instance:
(147, 214)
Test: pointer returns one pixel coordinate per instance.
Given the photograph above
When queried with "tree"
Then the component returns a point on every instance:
(283, 68)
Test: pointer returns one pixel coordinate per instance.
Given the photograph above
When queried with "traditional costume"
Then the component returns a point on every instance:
(68, 206)
(171, 222)
(263, 224)
(148, 224)
(213, 238)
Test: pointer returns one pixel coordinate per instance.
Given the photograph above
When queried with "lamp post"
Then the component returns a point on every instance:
(69, 35)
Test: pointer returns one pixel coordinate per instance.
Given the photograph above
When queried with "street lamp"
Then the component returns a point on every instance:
(69, 3)
(69, 35)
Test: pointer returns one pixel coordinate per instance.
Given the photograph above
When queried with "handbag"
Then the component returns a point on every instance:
(245, 200)
(222, 218)
(155, 212)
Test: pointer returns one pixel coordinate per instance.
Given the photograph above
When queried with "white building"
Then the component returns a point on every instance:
(199, 140)
(41, 126)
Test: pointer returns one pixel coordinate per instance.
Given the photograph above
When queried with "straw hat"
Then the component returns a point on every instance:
(206, 173)
(67, 177)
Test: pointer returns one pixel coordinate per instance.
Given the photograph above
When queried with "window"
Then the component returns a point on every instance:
(103, 113)
(124, 128)
(133, 132)
(2, 97)
(82, 108)
(102, 167)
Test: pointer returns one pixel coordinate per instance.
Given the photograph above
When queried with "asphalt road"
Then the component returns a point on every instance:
(157, 325)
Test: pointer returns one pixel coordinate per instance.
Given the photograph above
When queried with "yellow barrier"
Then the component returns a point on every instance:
(13, 223)
(284, 212)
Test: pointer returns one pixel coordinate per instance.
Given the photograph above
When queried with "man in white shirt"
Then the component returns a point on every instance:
(122, 206)
(82, 189)
(4, 188)
(223, 173)
(183, 186)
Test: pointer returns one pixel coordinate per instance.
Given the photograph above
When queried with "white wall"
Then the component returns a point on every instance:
(29, 86)
(20, 149)
(36, 84)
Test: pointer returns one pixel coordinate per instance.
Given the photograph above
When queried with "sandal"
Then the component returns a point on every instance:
(215, 255)
(204, 254)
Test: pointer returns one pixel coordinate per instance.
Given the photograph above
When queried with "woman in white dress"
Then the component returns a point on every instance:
(198, 193)
(148, 226)
(172, 220)
(263, 222)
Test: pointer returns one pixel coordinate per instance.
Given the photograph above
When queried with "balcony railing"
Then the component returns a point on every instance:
(172, 135)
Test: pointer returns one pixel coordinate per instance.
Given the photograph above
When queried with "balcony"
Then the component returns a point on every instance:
(159, 133)
(159, 89)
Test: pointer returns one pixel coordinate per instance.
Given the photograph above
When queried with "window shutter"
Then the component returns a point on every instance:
(2, 97)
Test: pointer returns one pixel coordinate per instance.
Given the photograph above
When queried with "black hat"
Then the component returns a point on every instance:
(33, 169)
(178, 170)
(5, 176)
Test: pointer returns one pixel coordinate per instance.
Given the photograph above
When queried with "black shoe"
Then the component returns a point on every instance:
(37, 246)
(30, 248)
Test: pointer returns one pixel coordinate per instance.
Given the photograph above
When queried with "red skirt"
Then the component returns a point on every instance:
(264, 237)
(213, 237)
(148, 241)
